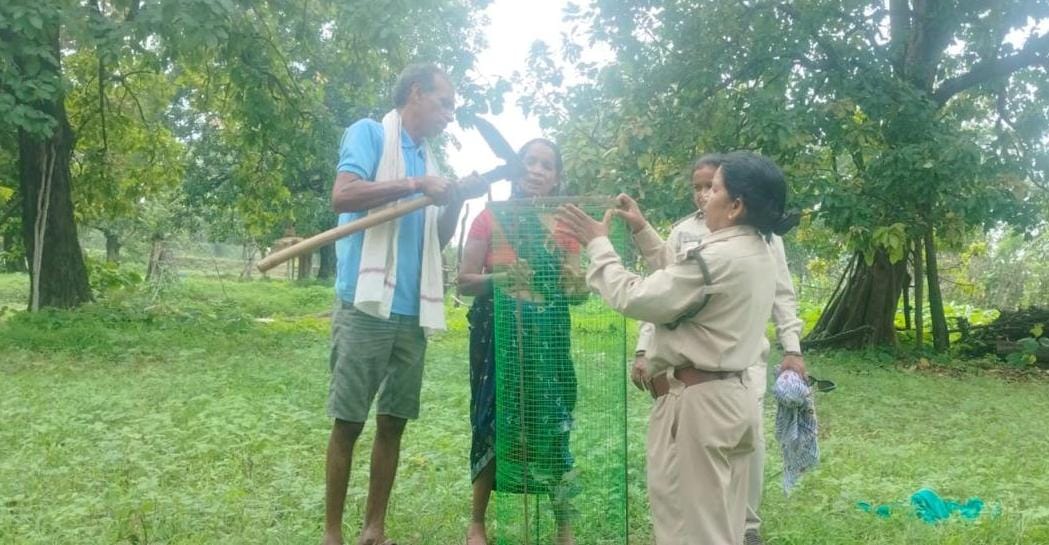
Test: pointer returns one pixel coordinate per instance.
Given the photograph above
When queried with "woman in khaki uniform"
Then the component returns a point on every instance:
(685, 235)
(710, 312)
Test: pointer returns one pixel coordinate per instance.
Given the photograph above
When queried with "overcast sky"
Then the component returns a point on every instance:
(514, 26)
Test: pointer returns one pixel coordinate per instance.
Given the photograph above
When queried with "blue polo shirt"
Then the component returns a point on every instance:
(359, 153)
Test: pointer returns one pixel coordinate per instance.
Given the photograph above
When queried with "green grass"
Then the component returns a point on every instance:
(198, 418)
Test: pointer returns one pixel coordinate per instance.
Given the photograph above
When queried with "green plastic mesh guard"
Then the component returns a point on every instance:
(560, 387)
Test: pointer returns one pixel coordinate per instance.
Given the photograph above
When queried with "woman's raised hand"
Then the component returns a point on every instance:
(579, 225)
(628, 209)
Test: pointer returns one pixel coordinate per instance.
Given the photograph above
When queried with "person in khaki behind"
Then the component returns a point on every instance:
(710, 311)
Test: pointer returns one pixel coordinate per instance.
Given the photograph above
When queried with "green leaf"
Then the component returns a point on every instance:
(1028, 345)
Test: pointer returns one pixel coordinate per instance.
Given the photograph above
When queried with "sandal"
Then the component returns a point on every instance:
(821, 385)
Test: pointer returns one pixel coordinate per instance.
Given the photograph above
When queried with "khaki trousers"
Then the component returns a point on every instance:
(700, 441)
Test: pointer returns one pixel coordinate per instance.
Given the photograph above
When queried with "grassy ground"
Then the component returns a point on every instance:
(187, 420)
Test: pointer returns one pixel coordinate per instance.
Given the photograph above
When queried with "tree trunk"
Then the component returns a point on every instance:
(112, 246)
(58, 276)
(907, 309)
(156, 258)
(940, 340)
(919, 298)
(863, 308)
(327, 264)
(249, 252)
(305, 267)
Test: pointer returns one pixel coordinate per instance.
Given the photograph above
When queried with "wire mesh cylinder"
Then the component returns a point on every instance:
(560, 354)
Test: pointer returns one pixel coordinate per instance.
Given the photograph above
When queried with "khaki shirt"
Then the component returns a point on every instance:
(686, 235)
(727, 333)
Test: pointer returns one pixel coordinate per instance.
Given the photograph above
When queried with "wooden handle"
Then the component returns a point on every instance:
(346, 229)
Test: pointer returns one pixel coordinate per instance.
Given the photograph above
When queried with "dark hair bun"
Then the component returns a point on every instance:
(789, 220)
(760, 184)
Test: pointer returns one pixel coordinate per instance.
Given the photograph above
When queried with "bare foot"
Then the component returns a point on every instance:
(332, 539)
(371, 537)
(476, 535)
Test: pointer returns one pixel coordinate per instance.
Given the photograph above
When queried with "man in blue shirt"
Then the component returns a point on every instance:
(372, 356)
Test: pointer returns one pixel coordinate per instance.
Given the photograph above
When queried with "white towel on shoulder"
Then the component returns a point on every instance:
(377, 276)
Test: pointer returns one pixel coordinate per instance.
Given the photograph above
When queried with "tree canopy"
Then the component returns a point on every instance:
(162, 109)
(899, 124)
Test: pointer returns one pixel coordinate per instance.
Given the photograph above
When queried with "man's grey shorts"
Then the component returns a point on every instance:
(372, 356)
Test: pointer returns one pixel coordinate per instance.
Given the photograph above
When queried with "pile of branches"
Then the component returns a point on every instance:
(1008, 328)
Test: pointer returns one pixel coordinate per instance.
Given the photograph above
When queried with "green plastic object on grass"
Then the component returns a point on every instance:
(931, 508)
(882, 511)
